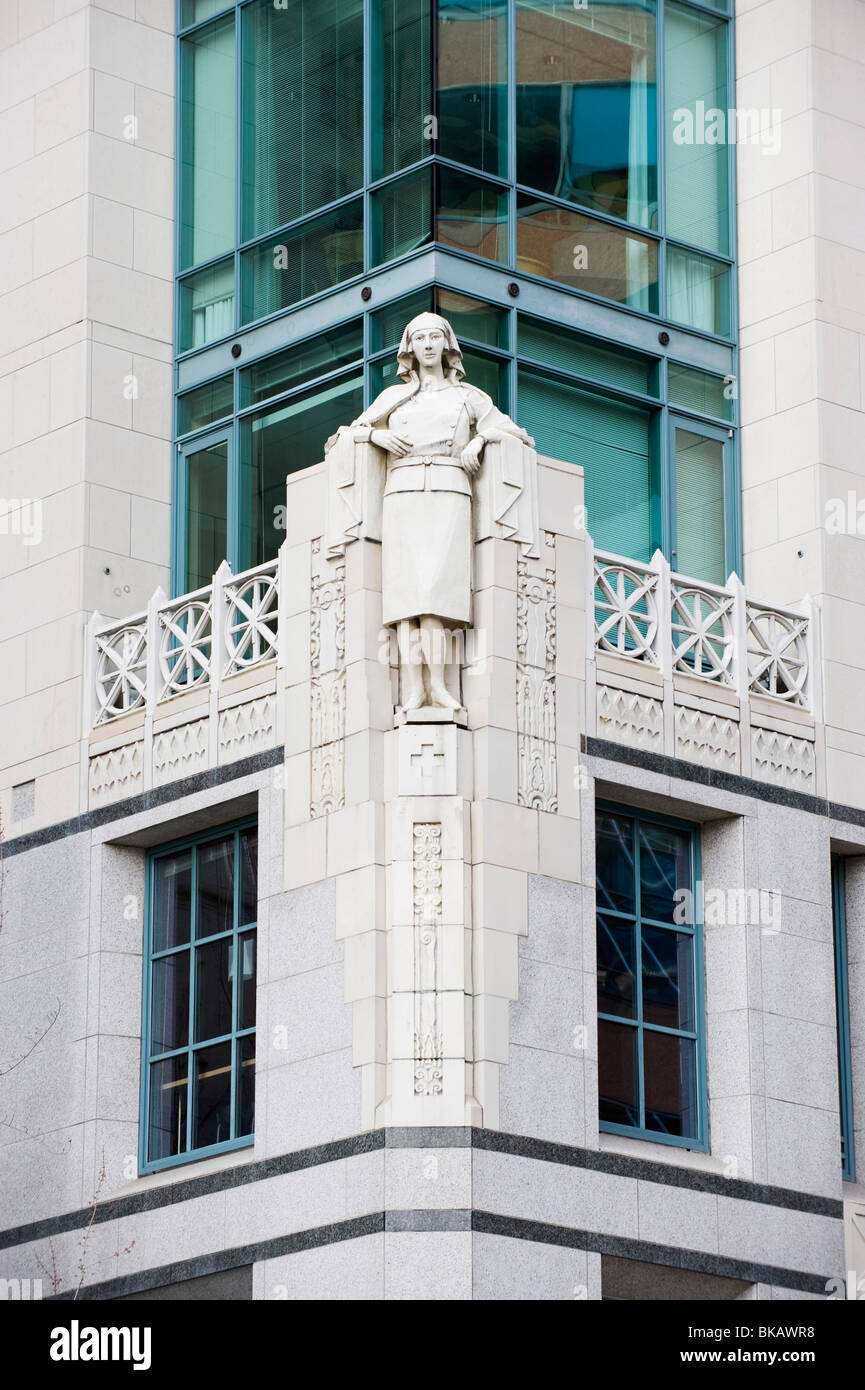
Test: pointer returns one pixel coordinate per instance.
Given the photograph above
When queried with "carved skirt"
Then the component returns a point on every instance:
(426, 557)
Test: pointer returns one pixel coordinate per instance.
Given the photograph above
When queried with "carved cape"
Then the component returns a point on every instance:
(505, 489)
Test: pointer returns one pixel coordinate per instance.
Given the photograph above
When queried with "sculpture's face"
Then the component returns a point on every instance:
(428, 344)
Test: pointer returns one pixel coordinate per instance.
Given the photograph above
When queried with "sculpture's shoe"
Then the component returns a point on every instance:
(442, 698)
(413, 700)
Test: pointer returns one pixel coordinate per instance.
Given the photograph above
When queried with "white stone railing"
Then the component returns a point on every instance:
(180, 645)
(185, 687)
(650, 614)
(702, 672)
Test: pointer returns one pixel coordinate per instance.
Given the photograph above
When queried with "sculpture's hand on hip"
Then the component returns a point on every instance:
(389, 441)
(470, 458)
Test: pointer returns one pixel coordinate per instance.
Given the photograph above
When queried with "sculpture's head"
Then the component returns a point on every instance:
(428, 340)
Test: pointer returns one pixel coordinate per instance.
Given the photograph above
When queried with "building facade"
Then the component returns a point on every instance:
(561, 997)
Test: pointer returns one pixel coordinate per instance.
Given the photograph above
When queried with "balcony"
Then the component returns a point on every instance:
(188, 685)
(675, 667)
(701, 672)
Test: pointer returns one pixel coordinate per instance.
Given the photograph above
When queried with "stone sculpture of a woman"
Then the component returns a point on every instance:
(429, 433)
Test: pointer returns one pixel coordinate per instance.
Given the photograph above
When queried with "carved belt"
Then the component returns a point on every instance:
(415, 459)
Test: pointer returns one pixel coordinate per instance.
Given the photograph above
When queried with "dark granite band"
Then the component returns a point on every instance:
(594, 747)
(479, 1222)
(518, 1146)
(145, 801)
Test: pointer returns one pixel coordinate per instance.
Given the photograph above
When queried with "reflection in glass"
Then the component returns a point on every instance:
(168, 1104)
(206, 513)
(303, 109)
(700, 392)
(668, 978)
(313, 357)
(696, 134)
(698, 292)
(588, 255)
(611, 442)
(616, 966)
(212, 1095)
(665, 867)
(700, 548)
(207, 143)
(169, 1011)
(472, 216)
(194, 11)
(472, 52)
(246, 949)
(303, 262)
(488, 374)
(617, 1074)
(283, 440)
(473, 318)
(574, 352)
(248, 876)
(402, 216)
(206, 306)
(670, 1080)
(172, 897)
(213, 989)
(614, 862)
(586, 106)
(215, 887)
(205, 404)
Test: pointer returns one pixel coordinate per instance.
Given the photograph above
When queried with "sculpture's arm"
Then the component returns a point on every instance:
(491, 423)
(508, 488)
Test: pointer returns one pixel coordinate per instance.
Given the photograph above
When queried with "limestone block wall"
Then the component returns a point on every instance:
(802, 316)
(86, 332)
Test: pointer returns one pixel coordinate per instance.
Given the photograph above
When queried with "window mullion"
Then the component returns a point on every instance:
(638, 974)
(193, 973)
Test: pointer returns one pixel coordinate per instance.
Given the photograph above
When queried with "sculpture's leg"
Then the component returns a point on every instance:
(433, 641)
(410, 670)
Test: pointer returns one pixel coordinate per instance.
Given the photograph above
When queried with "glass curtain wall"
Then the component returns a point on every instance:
(575, 146)
(520, 132)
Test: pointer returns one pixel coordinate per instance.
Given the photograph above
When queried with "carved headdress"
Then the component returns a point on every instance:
(452, 356)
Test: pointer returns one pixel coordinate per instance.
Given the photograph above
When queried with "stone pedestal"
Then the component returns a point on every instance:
(431, 821)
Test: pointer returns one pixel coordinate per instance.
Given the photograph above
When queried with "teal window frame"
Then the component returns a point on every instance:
(842, 1003)
(149, 1058)
(698, 1142)
(449, 267)
(678, 419)
(507, 353)
(508, 184)
(195, 443)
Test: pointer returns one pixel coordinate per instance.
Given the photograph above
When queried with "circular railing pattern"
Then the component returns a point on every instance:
(777, 654)
(626, 610)
(186, 645)
(702, 633)
(121, 671)
(251, 625)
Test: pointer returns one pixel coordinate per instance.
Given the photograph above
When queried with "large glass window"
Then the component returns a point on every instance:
(611, 441)
(535, 155)
(472, 83)
(651, 1067)
(205, 480)
(207, 153)
(282, 440)
(695, 125)
(587, 105)
(334, 98)
(303, 109)
(199, 1024)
